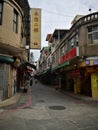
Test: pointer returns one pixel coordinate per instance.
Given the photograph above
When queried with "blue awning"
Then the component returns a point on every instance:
(6, 59)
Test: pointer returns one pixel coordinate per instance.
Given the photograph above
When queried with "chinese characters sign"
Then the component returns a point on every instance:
(35, 28)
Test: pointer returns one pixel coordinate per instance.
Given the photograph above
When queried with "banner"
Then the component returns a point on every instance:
(35, 28)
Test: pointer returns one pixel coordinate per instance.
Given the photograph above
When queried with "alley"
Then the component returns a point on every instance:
(44, 108)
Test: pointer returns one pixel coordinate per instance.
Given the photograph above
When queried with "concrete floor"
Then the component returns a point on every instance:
(44, 108)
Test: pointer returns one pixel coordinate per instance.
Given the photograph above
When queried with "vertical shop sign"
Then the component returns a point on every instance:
(35, 28)
(94, 78)
(94, 81)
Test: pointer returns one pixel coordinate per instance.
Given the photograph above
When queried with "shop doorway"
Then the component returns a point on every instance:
(71, 84)
(86, 86)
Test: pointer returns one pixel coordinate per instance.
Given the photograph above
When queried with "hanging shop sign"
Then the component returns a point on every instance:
(35, 28)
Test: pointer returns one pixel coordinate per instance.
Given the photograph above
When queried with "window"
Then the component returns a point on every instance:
(62, 51)
(89, 18)
(53, 59)
(90, 38)
(15, 22)
(89, 29)
(96, 16)
(92, 17)
(72, 43)
(1, 9)
(93, 34)
(85, 19)
(76, 40)
(66, 48)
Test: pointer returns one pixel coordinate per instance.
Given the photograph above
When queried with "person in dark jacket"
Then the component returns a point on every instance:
(31, 81)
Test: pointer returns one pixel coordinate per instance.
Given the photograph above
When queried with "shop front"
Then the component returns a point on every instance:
(73, 81)
(5, 76)
(79, 82)
(93, 72)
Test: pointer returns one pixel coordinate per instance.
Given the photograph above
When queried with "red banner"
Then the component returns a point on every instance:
(70, 54)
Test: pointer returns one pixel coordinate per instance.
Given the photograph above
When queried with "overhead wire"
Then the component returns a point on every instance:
(57, 13)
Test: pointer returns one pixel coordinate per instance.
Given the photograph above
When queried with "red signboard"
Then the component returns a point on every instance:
(74, 73)
(70, 54)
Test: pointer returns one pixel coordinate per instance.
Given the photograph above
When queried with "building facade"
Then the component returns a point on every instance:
(75, 56)
(14, 36)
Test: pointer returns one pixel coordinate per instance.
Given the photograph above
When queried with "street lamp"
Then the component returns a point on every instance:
(27, 47)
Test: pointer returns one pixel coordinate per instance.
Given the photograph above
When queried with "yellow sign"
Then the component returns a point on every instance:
(94, 79)
(94, 83)
(35, 28)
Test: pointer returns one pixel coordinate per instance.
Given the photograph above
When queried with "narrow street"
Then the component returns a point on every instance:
(44, 108)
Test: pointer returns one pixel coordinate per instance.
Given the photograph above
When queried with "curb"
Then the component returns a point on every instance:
(13, 100)
(80, 97)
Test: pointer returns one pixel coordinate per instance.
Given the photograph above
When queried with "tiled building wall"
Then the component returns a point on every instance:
(6, 29)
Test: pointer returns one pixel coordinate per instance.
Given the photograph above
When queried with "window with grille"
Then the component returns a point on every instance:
(15, 22)
(93, 34)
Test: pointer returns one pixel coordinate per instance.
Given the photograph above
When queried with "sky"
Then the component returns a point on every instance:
(57, 14)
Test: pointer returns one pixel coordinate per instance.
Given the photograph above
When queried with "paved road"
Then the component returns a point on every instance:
(44, 108)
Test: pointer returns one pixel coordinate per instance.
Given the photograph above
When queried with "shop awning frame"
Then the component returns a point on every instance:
(61, 65)
(31, 65)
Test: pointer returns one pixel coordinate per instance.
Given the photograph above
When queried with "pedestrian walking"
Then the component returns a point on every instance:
(31, 81)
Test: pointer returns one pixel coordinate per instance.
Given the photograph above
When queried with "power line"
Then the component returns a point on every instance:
(56, 13)
(56, 21)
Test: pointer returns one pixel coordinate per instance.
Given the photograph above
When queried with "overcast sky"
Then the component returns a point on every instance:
(57, 14)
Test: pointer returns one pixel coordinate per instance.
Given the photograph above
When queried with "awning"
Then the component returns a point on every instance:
(61, 65)
(6, 59)
(28, 70)
(31, 65)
